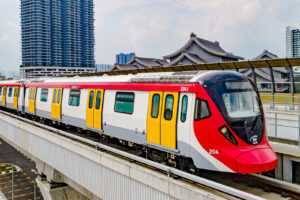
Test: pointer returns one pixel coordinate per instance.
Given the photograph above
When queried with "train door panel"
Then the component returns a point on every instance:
(16, 97)
(98, 108)
(4, 95)
(32, 95)
(154, 117)
(53, 104)
(169, 119)
(58, 103)
(90, 108)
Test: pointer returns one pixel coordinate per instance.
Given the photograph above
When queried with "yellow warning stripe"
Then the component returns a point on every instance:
(288, 154)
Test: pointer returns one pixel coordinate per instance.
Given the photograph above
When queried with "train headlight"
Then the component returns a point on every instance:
(224, 130)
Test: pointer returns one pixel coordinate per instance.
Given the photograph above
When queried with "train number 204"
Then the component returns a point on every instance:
(213, 152)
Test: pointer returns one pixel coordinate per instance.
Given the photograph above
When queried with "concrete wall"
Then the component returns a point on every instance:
(98, 175)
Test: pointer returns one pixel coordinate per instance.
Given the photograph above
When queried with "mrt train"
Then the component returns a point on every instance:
(211, 120)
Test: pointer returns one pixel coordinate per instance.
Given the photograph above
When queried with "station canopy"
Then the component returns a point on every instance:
(236, 65)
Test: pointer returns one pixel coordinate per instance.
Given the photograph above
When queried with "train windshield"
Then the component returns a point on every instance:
(240, 100)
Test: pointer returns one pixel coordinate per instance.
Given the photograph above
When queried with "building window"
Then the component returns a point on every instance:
(10, 92)
(44, 95)
(124, 102)
(169, 107)
(155, 105)
(201, 110)
(74, 98)
(184, 108)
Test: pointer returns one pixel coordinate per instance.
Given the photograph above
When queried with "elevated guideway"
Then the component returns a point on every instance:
(77, 168)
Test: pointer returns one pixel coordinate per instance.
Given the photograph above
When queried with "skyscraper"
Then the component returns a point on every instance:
(292, 42)
(124, 58)
(57, 33)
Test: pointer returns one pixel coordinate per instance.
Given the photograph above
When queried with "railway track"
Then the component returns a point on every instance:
(243, 186)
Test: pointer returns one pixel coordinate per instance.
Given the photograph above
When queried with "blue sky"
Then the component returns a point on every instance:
(154, 28)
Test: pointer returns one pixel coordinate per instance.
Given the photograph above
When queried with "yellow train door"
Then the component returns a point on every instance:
(90, 108)
(4, 95)
(154, 117)
(169, 119)
(32, 95)
(98, 109)
(16, 97)
(53, 103)
(58, 103)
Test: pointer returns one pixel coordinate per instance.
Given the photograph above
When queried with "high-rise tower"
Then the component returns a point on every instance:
(57, 33)
(292, 42)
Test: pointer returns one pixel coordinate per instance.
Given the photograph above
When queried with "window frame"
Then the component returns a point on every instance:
(91, 107)
(206, 102)
(152, 106)
(10, 92)
(187, 103)
(172, 107)
(96, 102)
(127, 93)
(73, 95)
(42, 94)
(54, 96)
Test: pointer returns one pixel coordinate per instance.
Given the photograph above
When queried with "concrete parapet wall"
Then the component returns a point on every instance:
(104, 176)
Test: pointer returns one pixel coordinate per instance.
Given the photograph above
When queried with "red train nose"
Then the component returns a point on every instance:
(258, 160)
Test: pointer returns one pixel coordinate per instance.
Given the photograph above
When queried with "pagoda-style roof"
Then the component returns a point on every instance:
(210, 47)
(117, 67)
(190, 56)
(148, 62)
(265, 55)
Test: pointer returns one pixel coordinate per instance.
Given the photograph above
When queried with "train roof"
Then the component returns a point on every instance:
(158, 77)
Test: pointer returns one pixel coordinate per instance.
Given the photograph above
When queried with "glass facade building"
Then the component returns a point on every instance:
(292, 42)
(124, 58)
(57, 33)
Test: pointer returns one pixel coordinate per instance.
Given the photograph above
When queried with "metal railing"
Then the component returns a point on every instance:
(283, 125)
(281, 102)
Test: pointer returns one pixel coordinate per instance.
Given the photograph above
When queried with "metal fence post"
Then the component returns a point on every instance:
(284, 103)
(276, 124)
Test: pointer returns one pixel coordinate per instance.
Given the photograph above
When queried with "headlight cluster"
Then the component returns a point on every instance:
(228, 135)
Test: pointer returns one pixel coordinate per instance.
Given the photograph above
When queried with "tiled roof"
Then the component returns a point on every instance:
(265, 54)
(211, 47)
(123, 67)
(148, 62)
(192, 57)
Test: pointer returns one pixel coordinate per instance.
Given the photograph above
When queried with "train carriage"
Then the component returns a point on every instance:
(208, 120)
(12, 95)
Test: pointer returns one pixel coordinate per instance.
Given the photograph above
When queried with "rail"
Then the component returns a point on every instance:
(283, 125)
(283, 102)
(169, 170)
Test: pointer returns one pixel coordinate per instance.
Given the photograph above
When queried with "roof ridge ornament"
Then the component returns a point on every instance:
(193, 35)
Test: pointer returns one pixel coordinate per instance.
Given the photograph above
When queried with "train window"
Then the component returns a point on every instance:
(58, 96)
(155, 105)
(44, 95)
(124, 102)
(91, 100)
(184, 108)
(201, 110)
(169, 107)
(0, 90)
(10, 92)
(74, 99)
(98, 100)
(54, 96)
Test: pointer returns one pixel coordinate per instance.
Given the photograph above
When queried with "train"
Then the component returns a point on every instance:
(210, 120)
